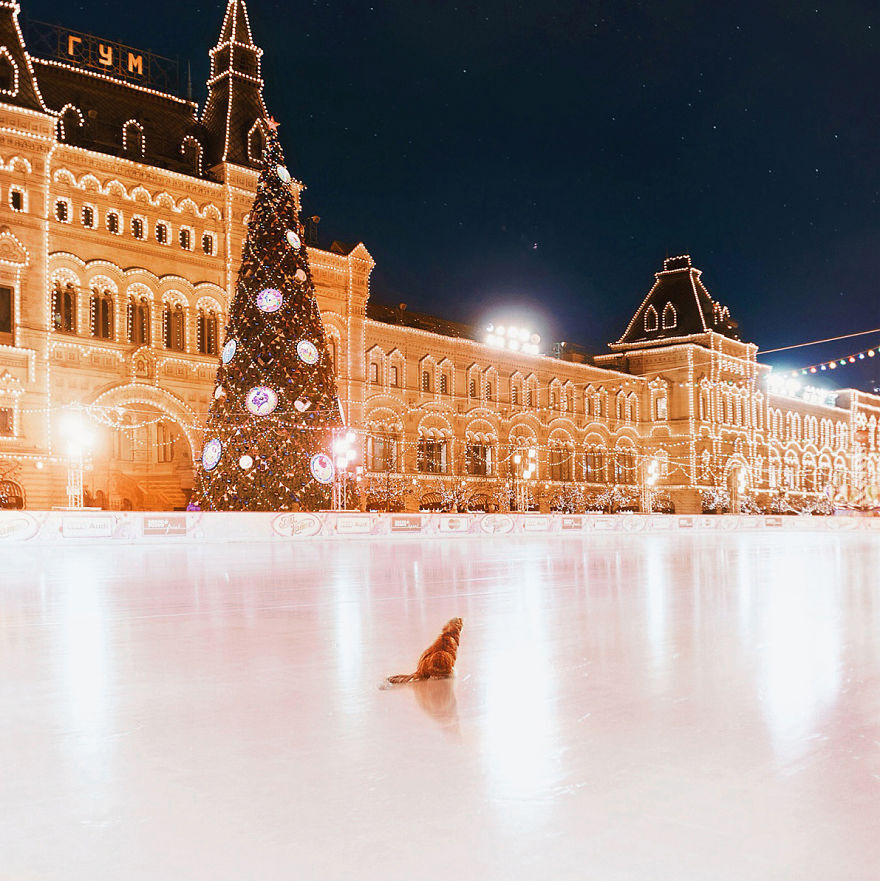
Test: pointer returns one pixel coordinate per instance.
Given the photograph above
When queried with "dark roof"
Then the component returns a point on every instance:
(420, 321)
(678, 305)
(101, 104)
(107, 104)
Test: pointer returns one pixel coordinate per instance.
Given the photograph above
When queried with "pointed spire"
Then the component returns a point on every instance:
(189, 82)
(15, 63)
(235, 91)
(236, 26)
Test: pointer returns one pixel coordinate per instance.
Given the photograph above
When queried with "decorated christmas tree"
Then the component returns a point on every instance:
(270, 427)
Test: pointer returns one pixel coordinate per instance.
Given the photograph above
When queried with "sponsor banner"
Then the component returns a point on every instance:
(406, 523)
(454, 524)
(87, 527)
(170, 525)
(685, 523)
(606, 523)
(661, 522)
(572, 523)
(354, 524)
(773, 521)
(17, 526)
(496, 524)
(535, 523)
(299, 525)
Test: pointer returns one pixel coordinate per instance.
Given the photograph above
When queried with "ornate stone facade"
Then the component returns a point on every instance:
(122, 215)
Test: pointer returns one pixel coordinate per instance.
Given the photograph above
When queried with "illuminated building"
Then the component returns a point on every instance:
(123, 208)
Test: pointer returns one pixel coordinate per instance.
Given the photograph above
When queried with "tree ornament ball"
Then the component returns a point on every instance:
(211, 454)
(293, 240)
(269, 300)
(283, 174)
(246, 462)
(228, 352)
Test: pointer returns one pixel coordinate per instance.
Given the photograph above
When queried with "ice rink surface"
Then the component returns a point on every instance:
(638, 707)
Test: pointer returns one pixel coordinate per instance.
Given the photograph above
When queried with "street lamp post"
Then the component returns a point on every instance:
(79, 442)
(343, 448)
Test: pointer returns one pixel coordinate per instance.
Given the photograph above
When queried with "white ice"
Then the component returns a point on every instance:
(626, 708)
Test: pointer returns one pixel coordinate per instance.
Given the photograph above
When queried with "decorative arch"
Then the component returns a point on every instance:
(651, 320)
(164, 401)
(191, 150)
(670, 316)
(9, 76)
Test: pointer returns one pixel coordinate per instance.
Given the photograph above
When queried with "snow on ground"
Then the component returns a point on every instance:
(626, 708)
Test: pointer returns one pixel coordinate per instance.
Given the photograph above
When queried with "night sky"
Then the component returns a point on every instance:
(547, 156)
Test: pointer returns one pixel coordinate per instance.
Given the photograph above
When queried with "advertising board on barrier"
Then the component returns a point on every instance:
(87, 527)
(170, 525)
(17, 526)
(354, 524)
(535, 523)
(406, 523)
(572, 523)
(496, 524)
(297, 525)
(454, 524)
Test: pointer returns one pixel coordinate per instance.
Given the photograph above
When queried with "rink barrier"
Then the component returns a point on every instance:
(64, 527)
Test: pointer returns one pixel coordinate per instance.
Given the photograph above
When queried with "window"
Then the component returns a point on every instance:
(174, 324)
(7, 422)
(162, 233)
(530, 397)
(382, 453)
(472, 388)
(5, 310)
(331, 348)
(101, 308)
(70, 124)
(133, 139)
(444, 384)
(432, 456)
(488, 391)
(185, 238)
(208, 244)
(560, 463)
(139, 321)
(394, 378)
(64, 308)
(137, 227)
(514, 395)
(62, 211)
(113, 222)
(374, 373)
(256, 143)
(207, 332)
(191, 150)
(624, 467)
(88, 216)
(426, 380)
(650, 319)
(670, 319)
(164, 443)
(594, 465)
(16, 199)
(8, 73)
(478, 459)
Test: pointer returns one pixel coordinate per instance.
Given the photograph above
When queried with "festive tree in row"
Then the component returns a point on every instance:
(270, 427)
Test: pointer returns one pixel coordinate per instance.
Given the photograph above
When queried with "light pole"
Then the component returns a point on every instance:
(529, 464)
(79, 443)
(343, 448)
(651, 471)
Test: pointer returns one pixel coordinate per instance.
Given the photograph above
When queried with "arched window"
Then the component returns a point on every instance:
(137, 227)
(472, 388)
(670, 319)
(488, 391)
(113, 222)
(8, 73)
(208, 244)
(162, 232)
(101, 313)
(207, 332)
(133, 142)
(374, 373)
(256, 143)
(70, 125)
(444, 384)
(174, 327)
(88, 216)
(185, 238)
(514, 395)
(191, 150)
(64, 308)
(650, 319)
(139, 320)
(426, 380)
(62, 210)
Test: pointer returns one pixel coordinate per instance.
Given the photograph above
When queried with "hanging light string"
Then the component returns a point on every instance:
(831, 339)
(834, 363)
